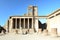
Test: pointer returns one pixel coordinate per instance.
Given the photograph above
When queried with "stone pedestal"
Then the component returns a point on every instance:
(12, 31)
(24, 31)
(16, 31)
(39, 30)
(31, 31)
(53, 31)
(45, 32)
(20, 31)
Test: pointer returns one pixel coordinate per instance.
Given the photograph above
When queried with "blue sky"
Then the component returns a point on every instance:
(19, 7)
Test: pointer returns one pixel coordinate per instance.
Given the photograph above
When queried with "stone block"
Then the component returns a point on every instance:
(20, 31)
(31, 31)
(53, 31)
(12, 31)
(24, 31)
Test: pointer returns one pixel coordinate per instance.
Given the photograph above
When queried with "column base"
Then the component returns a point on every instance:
(24, 31)
(16, 31)
(12, 31)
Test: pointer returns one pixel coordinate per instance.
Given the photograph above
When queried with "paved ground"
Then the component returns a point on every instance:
(34, 36)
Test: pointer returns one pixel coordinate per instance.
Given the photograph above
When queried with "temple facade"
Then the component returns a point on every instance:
(30, 22)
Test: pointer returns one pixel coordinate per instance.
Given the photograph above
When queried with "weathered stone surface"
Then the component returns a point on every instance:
(45, 32)
(31, 31)
(39, 30)
(53, 31)
(24, 31)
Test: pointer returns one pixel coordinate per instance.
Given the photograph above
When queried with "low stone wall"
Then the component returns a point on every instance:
(31, 31)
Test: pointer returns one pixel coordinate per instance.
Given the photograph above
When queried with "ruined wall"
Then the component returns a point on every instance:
(54, 22)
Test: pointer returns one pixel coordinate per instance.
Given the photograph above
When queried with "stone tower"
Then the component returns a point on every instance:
(32, 10)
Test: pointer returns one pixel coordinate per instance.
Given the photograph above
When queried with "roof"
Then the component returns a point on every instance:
(54, 12)
(27, 16)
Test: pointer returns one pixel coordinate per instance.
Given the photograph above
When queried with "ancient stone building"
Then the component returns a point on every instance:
(53, 22)
(29, 22)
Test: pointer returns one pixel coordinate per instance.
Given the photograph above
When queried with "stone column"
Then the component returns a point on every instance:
(20, 30)
(10, 25)
(32, 23)
(32, 29)
(20, 23)
(28, 23)
(48, 25)
(24, 30)
(36, 25)
(7, 26)
(24, 23)
(28, 26)
(16, 26)
(16, 23)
